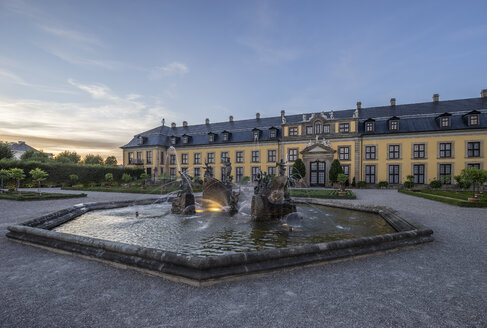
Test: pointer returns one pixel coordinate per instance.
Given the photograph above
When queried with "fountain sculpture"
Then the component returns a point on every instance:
(184, 201)
(271, 197)
(219, 194)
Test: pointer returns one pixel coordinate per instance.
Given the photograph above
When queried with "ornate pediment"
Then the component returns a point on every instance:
(318, 147)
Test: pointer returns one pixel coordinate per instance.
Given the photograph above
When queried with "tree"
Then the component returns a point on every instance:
(473, 176)
(342, 178)
(93, 159)
(34, 155)
(126, 178)
(410, 182)
(109, 178)
(38, 175)
(17, 174)
(144, 177)
(111, 160)
(335, 170)
(5, 150)
(298, 170)
(4, 175)
(68, 157)
(73, 178)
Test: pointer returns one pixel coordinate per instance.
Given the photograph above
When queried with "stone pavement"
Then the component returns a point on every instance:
(439, 284)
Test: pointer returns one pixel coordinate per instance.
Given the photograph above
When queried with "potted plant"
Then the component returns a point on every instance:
(108, 179)
(342, 179)
(335, 170)
(126, 178)
(409, 184)
(383, 184)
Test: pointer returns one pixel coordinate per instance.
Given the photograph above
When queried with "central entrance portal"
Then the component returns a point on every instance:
(317, 173)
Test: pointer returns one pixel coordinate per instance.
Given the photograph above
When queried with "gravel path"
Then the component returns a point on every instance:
(440, 284)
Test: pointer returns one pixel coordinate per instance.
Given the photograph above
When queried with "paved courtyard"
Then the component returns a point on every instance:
(440, 284)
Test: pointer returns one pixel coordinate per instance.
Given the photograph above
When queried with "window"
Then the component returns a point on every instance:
(225, 136)
(184, 158)
(444, 122)
(418, 172)
(445, 150)
(326, 128)
(394, 152)
(197, 158)
(256, 135)
(344, 127)
(172, 173)
(393, 174)
(239, 174)
(162, 158)
(473, 120)
(140, 140)
(473, 149)
(445, 173)
(370, 152)
(255, 173)
(240, 156)
(172, 159)
(369, 126)
(272, 133)
(255, 156)
(148, 157)
(197, 171)
(173, 140)
(224, 156)
(418, 151)
(318, 127)
(184, 170)
(293, 131)
(271, 155)
(211, 158)
(394, 125)
(185, 139)
(346, 170)
(271, 170)
(139, 157)
(131, 158)
(292, 154)
(474, 165)
(344, 153)
(309, 129)
(370, 173)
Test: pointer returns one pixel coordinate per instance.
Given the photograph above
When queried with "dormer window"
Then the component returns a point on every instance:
(173, 140)
(211, 137)
(225, 136)
(185, 139)
(394, 124)
(273, 133)
(473, 120)
(140, 140)
(326, 128)
(444, 122)
(256, 135)
(369, 126)
(318, 127)
(309, 130)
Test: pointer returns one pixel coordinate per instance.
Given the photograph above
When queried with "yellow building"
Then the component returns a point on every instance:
(430, 141)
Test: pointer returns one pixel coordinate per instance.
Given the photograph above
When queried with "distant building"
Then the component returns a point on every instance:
(19, 148)
(432, 140)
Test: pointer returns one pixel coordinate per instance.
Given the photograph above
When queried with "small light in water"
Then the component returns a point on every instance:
(198, 211)
(214, 209)
(284, 224)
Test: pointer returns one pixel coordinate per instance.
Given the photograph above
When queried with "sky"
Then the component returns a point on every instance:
(87, 76)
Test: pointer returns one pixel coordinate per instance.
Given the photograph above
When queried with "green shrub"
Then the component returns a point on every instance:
(383, 184)
(298, 170)
(126, 178)
(362, 184)
(245, 180)
(353, 182)
(38, 175)
(435, 184)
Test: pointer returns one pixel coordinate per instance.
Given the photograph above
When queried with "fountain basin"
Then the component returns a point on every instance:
(198, 269)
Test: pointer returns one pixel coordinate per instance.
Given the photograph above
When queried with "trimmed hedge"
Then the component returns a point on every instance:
(321, 193)
(59, 172)
(451, 201)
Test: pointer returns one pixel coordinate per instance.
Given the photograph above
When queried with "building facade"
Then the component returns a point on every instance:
(433, 140)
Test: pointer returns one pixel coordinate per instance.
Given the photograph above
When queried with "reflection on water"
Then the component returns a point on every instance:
(206, 234)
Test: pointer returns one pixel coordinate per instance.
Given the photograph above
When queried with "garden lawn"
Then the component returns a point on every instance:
(449, 197)
(321, 193)
(135, 190)
(31, 195)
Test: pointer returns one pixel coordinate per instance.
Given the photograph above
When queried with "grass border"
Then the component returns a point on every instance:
(321, 193)
(451, 201)
(28, 196)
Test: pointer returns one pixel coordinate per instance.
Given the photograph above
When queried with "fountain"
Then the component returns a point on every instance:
(184, 201)
(219, 195)
(271, 198)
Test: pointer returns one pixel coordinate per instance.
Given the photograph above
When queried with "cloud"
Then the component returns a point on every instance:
(75, 59)
(172, 69)
(13, 78)
(97, 90)
(267, 53)
(72, 36)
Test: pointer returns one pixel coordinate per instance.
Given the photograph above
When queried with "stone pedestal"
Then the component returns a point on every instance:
(183, 204)
(262, 209)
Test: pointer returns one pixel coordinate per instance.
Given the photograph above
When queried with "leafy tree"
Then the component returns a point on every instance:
(17, 174)
(73, 178)
(410, 182)
(5, 150)
(38, 175)
(4, 175)
(342, 178)
(473, 176)
(34, 155)
(126, 178)
(298, 170)
(93, 159)
(335, 170)
(144, 177)
(111, 160)
(109, 178)
(68, 157)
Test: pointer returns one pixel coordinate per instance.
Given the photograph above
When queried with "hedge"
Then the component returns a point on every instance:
(59, 172)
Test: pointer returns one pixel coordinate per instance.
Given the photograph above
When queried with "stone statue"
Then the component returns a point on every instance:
(282, 168)
(332, 116)
(355, 114)
(184, 201)
(228, 172)
(208, 170)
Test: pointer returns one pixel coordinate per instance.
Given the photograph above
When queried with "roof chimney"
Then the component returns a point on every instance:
(257, 116)
(483, 93)
(185, 124)
(283, 112)
(436, 98)
(173, 125)
(393, 101)
(231, 118)
(359, 105)
(207, 121)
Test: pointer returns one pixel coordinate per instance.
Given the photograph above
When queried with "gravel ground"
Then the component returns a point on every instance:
(439, 284)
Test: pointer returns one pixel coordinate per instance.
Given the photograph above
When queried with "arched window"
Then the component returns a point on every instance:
(318, 127)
